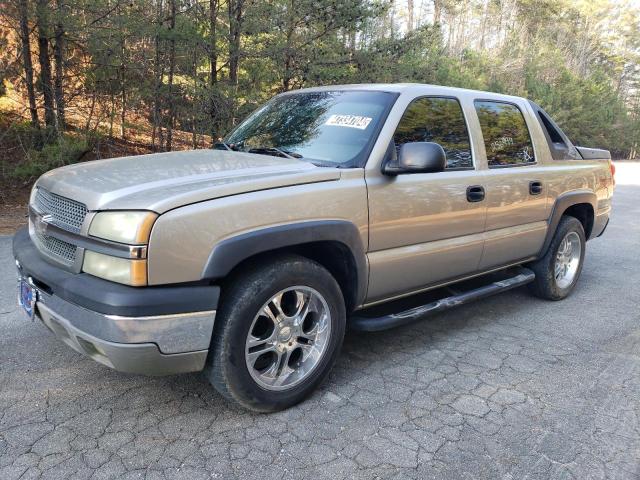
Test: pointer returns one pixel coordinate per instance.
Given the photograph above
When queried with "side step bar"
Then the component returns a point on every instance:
(376, 324)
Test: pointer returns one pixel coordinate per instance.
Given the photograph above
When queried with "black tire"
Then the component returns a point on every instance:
(545, 285)
(241, 300)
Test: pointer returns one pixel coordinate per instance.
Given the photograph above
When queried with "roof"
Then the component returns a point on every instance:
(410, 88)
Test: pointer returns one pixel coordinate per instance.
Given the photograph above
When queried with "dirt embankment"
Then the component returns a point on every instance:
(13, 205)
(14, 192)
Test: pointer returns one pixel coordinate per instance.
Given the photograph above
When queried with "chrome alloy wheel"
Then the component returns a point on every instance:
(288, 338)
(567, 260)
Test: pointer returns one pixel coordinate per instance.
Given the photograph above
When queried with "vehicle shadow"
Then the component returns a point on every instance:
(366, 354)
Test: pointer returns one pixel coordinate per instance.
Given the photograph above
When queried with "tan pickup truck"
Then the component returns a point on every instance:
(249, 261)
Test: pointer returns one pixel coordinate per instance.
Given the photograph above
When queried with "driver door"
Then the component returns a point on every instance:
(426, 228)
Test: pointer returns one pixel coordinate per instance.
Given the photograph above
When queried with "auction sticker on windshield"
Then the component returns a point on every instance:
(352, 121)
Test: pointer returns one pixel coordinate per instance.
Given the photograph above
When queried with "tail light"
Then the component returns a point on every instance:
(613, 172)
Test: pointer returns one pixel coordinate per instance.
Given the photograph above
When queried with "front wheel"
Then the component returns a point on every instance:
(558, 271)
(278, 333)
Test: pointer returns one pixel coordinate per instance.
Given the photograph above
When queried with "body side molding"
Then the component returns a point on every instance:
(230, 252)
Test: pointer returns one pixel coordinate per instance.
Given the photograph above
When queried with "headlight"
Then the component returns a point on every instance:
(121, 270)
(125, 227)
(129, 227)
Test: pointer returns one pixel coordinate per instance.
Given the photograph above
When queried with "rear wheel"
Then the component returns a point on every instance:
(558, 271)
(278, 333)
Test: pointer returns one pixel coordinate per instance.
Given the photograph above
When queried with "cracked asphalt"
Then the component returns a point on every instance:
(510, 387)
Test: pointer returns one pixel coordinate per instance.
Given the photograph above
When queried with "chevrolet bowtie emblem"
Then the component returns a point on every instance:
(41, 223)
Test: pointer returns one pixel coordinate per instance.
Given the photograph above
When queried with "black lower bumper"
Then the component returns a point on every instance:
(107, 297)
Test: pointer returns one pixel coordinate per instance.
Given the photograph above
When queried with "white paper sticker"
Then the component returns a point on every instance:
(351, 121)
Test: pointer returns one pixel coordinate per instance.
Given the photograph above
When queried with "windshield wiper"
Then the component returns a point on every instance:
(225, 146)
(275, 150)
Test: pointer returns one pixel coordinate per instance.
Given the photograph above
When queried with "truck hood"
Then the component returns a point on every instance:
(163, 181)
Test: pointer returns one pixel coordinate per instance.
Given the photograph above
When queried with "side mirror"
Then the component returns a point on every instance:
(418, 157)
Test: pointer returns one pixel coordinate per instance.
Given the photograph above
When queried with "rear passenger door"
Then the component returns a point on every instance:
(516, 193)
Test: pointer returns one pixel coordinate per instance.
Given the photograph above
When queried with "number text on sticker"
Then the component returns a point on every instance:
(352, 121)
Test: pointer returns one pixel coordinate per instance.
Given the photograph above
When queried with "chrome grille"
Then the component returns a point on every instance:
(59, 249)
(65, 213)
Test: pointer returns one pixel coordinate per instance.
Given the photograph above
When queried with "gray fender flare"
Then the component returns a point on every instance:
(233, 250)
(562, 203)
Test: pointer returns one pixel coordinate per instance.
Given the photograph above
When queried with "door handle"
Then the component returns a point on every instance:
(475, 193)
(535, 188)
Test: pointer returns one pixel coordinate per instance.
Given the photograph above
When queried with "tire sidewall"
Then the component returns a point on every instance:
(569, 224)
(258, 289)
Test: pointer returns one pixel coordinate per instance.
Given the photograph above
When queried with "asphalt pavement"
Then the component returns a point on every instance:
(510, 387)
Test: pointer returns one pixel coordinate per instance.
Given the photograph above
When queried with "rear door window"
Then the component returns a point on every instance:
(506, 136)
(439, 120)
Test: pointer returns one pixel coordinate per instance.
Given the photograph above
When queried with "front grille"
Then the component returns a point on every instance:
(59, 249)
(65, 213)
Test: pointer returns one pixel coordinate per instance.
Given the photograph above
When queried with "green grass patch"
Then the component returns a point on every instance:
(43, 149)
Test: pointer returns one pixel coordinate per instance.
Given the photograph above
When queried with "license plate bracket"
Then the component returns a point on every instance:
(27, 296)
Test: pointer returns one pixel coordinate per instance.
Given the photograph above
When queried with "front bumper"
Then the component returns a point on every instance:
(149, 330)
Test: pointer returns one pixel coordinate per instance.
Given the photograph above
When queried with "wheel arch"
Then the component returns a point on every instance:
(585, 213)
(335, 244)
(580, 204)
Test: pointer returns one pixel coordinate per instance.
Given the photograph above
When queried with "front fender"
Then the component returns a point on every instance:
(232, 251)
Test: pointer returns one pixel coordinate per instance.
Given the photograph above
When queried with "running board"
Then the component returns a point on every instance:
(384, 322)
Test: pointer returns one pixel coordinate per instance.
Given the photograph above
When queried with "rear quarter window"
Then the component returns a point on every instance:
(506, 136)
(560, 146)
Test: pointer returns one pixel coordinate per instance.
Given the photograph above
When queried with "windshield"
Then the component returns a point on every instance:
(326, 128)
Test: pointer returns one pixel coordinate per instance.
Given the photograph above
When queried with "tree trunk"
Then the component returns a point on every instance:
(352, 43)
(91, 110)
(500, 26)
(287, 75)
(112, 115)
(23, 13)
(411, 15)
(58, 55)
(235, 23)
(235, 29)
(213, 48)
(42, 20)
(158, 71)
(213, 73)
(172, 67)
(483, 28)
(194, 104)
(390, 18)
(437, 11)
(123, 89)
